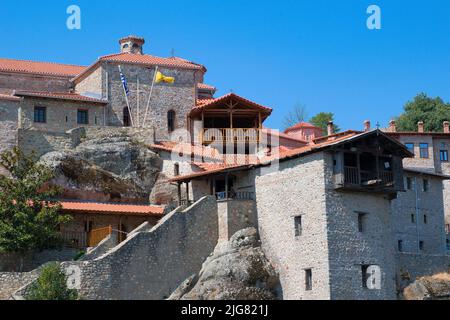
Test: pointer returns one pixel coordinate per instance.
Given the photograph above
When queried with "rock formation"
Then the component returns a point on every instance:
(436, 287)
(112, 168)
(237, 270)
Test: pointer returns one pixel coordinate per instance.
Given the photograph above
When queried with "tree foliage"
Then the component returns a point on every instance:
(28, 219)
(432, 111)
(322, 119)
(51, 285)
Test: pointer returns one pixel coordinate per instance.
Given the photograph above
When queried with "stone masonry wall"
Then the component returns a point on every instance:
(297, 189)
(8, 124)
(31, 82)
(151, 265)
(10, 282)
(427, 224)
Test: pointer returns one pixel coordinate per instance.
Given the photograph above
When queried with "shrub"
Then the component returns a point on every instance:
(51, 285)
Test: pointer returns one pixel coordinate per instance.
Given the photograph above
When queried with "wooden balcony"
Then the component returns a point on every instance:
(356, 177)
(77, 240)
(228, 135)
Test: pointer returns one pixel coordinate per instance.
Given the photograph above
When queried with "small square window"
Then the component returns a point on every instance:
(298, 226)
(308, 280)
(40, 114)
(424, 150)
(425, 185)
(444, 155)
(82, 117)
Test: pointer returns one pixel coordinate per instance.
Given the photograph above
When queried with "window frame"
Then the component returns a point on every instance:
(361, 221)
(82, 111)
(422, 149)
(298, 226)
(425, 185)
(308, 279)
(443, 155)
(35, 113)
(171, 116)
(400, 246)
(412, 150)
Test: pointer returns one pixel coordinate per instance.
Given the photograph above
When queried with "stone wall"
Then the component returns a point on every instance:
(151, 265)
(417, 162)
(32, 82)
(8, 124)
(235, 215)
(10, 282)
(297, 189)
(421, 217)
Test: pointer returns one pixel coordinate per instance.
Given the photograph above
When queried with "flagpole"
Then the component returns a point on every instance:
(150, 96)
(126, 99)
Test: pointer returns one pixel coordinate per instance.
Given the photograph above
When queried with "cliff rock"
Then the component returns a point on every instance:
(237, 270)
(436, 287)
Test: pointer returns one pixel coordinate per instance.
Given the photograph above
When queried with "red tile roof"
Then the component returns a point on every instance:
(59, 95)
(110, 208)
(301, 125)
(204, 103)
(41, 68)
(188, 149)
(9, 97)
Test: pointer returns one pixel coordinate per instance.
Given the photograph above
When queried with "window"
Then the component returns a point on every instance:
(425, 185)
(171, 121)
(444, 155)
(298, 226)
(400, 245)
(40, 114)
(176, 169)
(425, 219)
(361, 221)
(308, 279)
(365, 275)
(88, 226)
(421, 245)
(448, 244)
(413, 218)
(409, 183)
(410, 147)
(82, 117)
(424, 150)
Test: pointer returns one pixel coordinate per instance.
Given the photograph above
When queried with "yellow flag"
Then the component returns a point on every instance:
(162, 78)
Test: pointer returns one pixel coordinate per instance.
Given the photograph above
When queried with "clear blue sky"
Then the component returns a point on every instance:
(279, 53)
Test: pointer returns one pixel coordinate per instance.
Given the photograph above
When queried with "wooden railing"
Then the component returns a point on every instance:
(76, 240)
(242, 135)
(97, 236)
(357, 177)
(241, 195)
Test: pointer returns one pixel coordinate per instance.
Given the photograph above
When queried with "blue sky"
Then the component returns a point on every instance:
(318, 53)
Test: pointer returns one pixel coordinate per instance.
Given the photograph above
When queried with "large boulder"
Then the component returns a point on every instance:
(237, 270)
(116, 167)
(436, 287)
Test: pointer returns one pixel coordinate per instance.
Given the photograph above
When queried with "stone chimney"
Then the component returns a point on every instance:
(421, 127)
(330, 128)
(392, 126)
(446, 127)
(132, 44)
(367, 126)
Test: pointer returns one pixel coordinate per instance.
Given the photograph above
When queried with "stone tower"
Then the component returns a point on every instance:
(132, 44)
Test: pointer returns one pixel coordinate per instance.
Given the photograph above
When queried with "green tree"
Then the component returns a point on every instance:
(51, 285)
(28, 219)
(322, 119)
(432, 111)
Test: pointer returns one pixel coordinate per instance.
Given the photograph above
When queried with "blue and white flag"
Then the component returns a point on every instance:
(124, 82)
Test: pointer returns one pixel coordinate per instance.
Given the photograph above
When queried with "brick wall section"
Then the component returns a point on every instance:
(173, 250)
(281, 196)
(430, 203)
(17, 81)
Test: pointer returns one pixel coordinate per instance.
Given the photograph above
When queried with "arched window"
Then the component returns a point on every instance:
(126, 117)
(171, 121)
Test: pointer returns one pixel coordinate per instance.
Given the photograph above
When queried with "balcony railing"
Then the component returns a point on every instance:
(77, 240)
(241, 195)
(238, 135)
(354, 176)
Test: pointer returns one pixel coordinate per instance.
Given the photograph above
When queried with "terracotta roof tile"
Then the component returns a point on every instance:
(149, 60)
(110, 208)
(203, 103)
(301, 125)
(60, 95)
(41, 68)
(206, 87)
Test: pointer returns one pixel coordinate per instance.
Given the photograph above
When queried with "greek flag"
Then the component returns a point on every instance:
(124, 83)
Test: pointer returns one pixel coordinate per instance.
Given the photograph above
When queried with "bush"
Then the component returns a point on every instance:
(51, 285)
